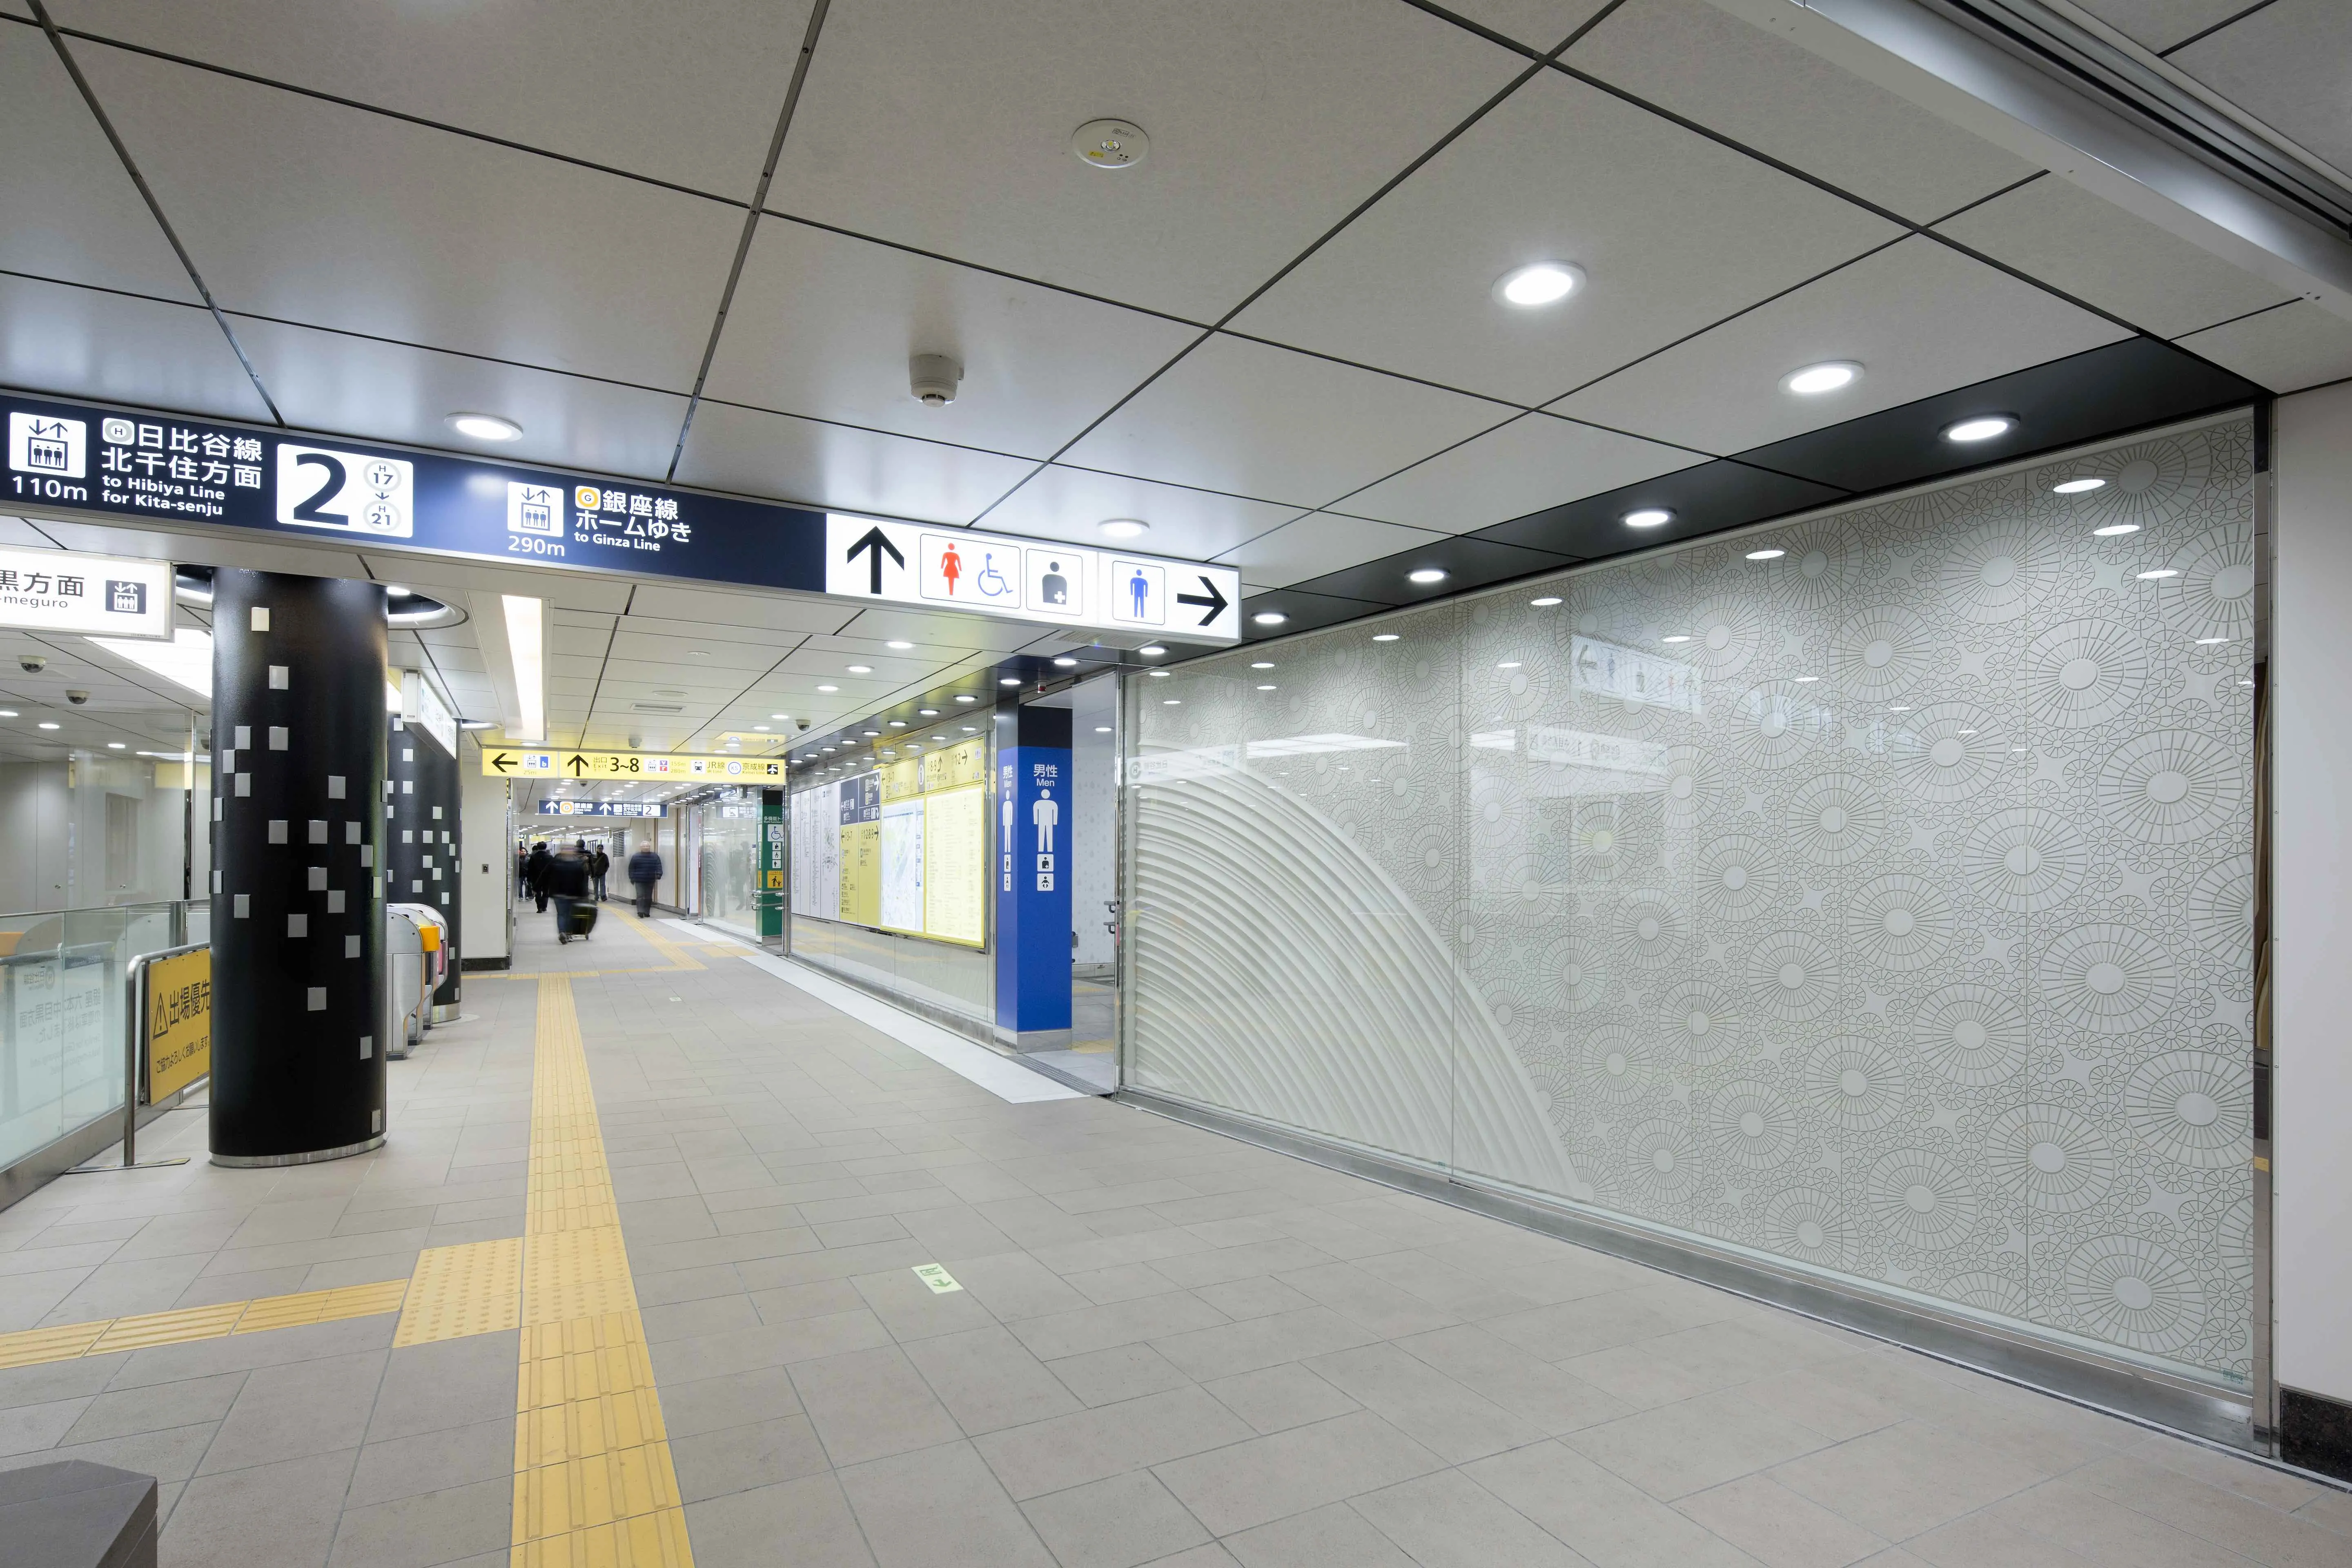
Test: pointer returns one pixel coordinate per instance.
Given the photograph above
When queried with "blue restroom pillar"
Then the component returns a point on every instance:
(1033, 884)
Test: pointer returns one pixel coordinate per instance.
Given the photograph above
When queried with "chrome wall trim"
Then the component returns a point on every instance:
(307, 1156)
(2083, 1377)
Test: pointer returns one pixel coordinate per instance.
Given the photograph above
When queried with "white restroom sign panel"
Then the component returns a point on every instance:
(1030, 579)
(354, 492)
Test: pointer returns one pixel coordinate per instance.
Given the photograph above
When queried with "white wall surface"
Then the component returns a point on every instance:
(33, 808)
(482, 834)
(2311, 770)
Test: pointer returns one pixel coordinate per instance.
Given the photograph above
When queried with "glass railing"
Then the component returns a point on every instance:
(61, 1012)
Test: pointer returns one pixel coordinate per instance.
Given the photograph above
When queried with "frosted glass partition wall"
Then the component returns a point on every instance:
(1870, 892)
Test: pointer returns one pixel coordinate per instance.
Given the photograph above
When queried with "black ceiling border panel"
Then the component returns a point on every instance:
(1707, 497)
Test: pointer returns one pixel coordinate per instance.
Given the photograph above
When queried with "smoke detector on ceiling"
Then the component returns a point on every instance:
(933, 379)
(1110, 143)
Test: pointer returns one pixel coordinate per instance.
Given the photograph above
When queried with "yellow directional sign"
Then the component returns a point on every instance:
(523, 763)
(179, 1022)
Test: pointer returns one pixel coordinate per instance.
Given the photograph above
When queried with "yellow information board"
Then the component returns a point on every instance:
(179, 1022)
(861, 872)
(965, 763)
(522, 763)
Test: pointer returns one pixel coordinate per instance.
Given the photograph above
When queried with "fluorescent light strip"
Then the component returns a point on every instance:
(525, 646)
(186, 660)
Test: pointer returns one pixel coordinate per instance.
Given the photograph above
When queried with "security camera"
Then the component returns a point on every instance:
(31, 663)
(634, 741)
(800, 724)
(933, 379)
(77, 698)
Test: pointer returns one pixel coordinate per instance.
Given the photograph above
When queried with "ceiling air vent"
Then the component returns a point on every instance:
(657, 706)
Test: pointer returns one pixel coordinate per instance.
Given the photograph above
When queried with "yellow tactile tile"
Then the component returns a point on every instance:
(655, 1540)
(171, 1328)
(28, 1347)
(321, 1306)
(593, 1490)
(475, 1288)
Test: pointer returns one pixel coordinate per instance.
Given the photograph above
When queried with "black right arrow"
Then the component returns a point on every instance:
(1216, 600)
(876, 540)
(503, 763)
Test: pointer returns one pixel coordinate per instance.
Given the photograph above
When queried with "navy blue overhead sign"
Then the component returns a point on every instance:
(601, 808)
(148, 468)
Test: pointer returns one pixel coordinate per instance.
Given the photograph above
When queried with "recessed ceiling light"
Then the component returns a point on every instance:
(830, 749)
(1538, 283)
(1123, 527)
(761, 728)
(1812, 380)
(1265, 689)
(1171, 702)
(1065, 662)
(1262, 664)
(861, 669)
(8, 713)
(971, 729)
(394, 591)
(828, 689)
(1102, 729)
(2158, 574)
(870, 734)
(1508, 664)
(1269, 618)
(2111, 529)
(2201, 642)
(47, 725)
(1803, 678)
(1648, 517)
(1158, 675)
(927, 712)
(1384, 636)
(965, 697)
(898, 723)
(896, 646)
(1766, 554)
(1426, 575)
(1154, 651)
(115, 746)
(1009, 681)
(2077, 487)
(1546, 603)
(1678, 637)
(1983, 428)
(485, 427)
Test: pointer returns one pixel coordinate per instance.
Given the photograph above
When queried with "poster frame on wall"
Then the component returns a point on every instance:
(855, 842)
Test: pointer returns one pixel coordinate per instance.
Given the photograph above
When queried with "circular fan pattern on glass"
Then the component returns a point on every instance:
(1857, 1084)
(1993, 574)
(1948, 753)
(1700, 1019)
(1810, 1225)
(2053, 1158)
(2106, 978)
(1735, 877)
(2174, 786)
(1899, 921)
(1577, 972)
(1620, 1066)
(1650, 929)
(1724, 633)
(2085, 672)
(1921, 1199)
(2025, 859)
(2131, 1291)
(1792, 977)
(2193, 1108)
(1774, 724)
(2148, 482)
(2221, 910)
(1692, 782)
(1819, 566)
(2214, 594)
(1753, 1125)
(1835, 820)
(1662, 1161)
(1882, 653)
(1971, 1035)
(1988, 1292)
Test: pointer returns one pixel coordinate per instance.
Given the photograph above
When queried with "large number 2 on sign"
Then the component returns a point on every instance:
(328, 490)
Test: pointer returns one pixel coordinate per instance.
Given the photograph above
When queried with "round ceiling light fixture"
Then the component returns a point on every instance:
(1110, 144)
(1384, 636)
(1269, 618)
(1648, 517)
(1426, 575)
(1153, 651)
(828, 689)
(1123, 527)
(1766, 554)
(485, 427)
(1065, 662)
(2112, 528)
(1546, 603)
(1009, 681)
(1829, 376)
(861, 669)
(2158, 575)
(1538, 283)
(897, 644)
(1981, 427)
(2077, 487)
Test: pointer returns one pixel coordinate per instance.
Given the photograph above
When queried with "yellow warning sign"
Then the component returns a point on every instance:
(519, 762)
(179, 1022)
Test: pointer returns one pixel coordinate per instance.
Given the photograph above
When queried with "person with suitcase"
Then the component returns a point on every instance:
(566, 881)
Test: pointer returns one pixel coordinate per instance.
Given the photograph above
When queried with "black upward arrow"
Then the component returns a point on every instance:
(503, 763)
(577, 763)
(1215, 603)
(877, 542)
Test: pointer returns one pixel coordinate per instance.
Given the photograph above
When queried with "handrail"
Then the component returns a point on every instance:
(134, 1014)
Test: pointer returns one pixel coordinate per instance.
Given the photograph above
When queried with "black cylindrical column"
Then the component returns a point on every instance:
(298, 859)
(421, 842)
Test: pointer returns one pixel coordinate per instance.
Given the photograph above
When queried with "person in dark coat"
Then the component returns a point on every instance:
(534, 874)
(644, 870)
(566, 881)
(599, 863)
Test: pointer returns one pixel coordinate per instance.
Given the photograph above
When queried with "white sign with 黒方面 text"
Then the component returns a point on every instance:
(100, 595)
(1031, 580)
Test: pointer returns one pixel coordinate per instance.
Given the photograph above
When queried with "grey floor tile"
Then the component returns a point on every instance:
(911, 1309)
(1776, 1527)
(988, 1380)
(1276, 1398)
(2267, 1534)
(156, 1408)
(1054, 1455)
(702, 1315)
(1265, 1478)
(2104, 1532)
(1610, 1522)
(427, 1529)
(433, 1461)
(249, 1353)
(1125, 1322)
(742, 1459)
(739, 1399)
(171, 1455)
(1448, 1521)
(1424, 1404)
(1527, 1386)
(451, 1382)
(913, 1505)
(307, 1408)
(1903, 1479)
(277, 1513)
(1699, 1443)
(869, 1403)
(1986, 1539)
(45, 1382)
(769, 1344)
(1122, 1372)
(1334, 1536)
(1229, 1348)
(27, 1428)
(1014, 1285)
(1368, 1301)
(1115, 1524)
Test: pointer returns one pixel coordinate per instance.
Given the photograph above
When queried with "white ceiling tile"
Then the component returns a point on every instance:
(713, 606)
(1672, 231)
(1269, 124)
(203, 549)
(685, 93)
(1061, 502)
(841, 468)
(2287, 350)
(312, 212)
(2095, 250)
(83, 344)
(710, 634)
(1319, 543)
(831, 665)
(824, 325)
(987, 633)
(1251, 419)
(576, 595)
(389, 392)
(1541, 25)
(1770, 93)
(2161, 25)
(1525, 465)
(2286, 65)
(92, 228)
(1920, 317)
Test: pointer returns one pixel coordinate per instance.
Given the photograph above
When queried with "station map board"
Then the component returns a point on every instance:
(901, 848)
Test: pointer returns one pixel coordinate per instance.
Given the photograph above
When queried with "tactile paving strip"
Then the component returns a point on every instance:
(475, 1288)
(29, 1347)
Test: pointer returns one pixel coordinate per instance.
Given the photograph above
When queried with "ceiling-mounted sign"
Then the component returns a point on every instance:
(678, 767)
(601, 808)
(102, 596)
(422, 707)
(1031, 580)
(154, 469)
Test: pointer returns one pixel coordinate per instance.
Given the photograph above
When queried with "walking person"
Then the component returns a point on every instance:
(644, 870)
(534, 874)
(566, 881)
(599, 863)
